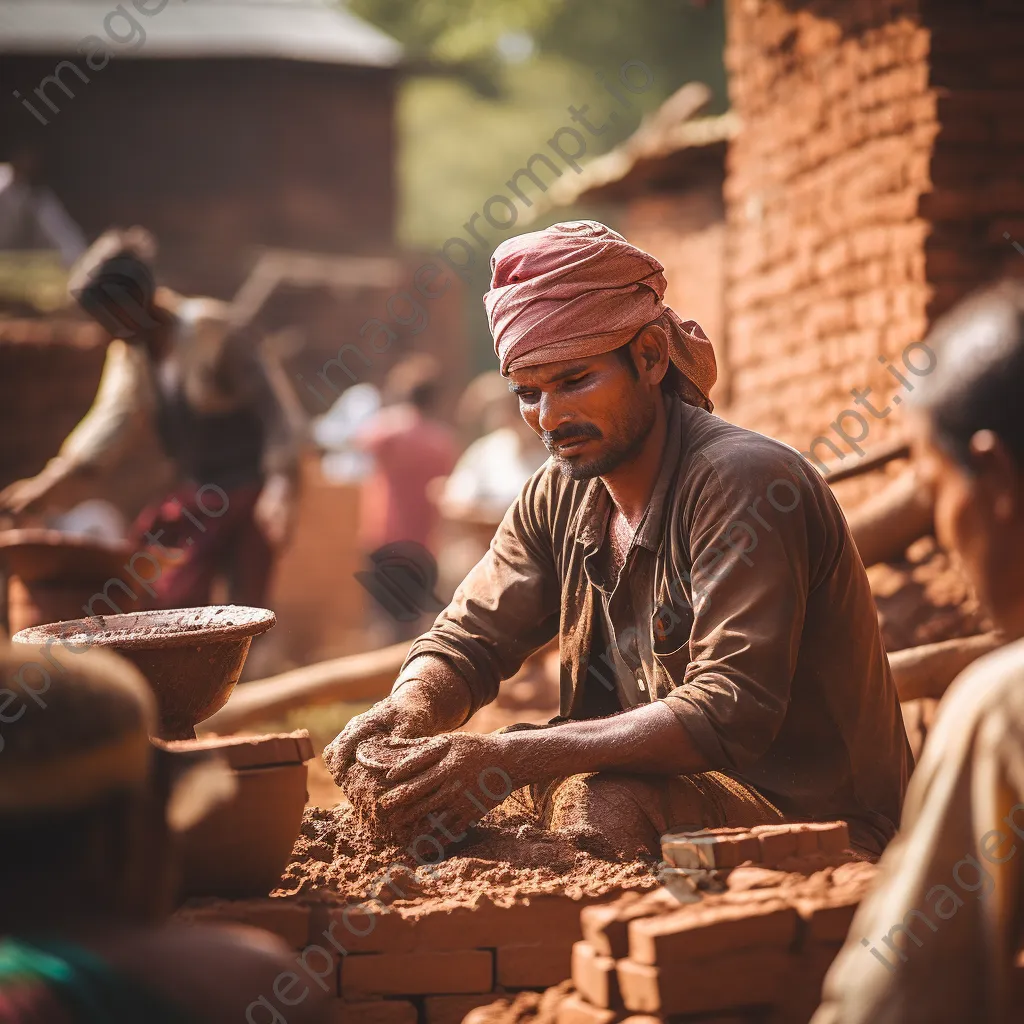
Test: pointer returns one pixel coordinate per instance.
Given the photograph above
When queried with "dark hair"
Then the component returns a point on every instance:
(978, 377)
(113, 280)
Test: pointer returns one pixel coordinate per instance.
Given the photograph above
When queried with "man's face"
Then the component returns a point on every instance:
(592, 414)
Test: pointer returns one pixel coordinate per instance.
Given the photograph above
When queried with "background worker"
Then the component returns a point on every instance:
(937, 939)
(87, 860)
(748, 662)
(178, 367)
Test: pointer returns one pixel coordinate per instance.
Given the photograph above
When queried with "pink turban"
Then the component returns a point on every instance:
(580, 289)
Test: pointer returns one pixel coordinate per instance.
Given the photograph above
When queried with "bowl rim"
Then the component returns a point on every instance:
(259, 621)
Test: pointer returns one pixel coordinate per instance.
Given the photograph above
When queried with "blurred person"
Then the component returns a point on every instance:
(32, 218)
(491, 472)
(937, 939)
(712, 674)
(88, 812)
(178, 367)
(410, 447)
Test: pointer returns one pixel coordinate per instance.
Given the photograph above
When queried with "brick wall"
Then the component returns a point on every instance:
(878, 167)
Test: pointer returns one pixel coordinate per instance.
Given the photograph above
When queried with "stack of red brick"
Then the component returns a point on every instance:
(758, 950)
(430, 964)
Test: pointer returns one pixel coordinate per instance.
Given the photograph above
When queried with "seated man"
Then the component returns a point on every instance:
(87, 867)
(937, 940)
(721, 662)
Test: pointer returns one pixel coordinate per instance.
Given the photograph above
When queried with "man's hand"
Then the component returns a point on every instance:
(275, 510)
(469, 779)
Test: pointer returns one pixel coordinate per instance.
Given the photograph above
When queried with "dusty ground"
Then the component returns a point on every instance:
(504, 862)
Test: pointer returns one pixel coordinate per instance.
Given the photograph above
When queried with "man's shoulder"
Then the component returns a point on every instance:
(736, 452)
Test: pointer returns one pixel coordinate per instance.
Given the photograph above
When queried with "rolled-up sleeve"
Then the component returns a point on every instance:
(749, 587)
(508, 605)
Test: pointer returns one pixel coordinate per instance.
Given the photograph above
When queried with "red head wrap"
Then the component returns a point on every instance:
(580, 289)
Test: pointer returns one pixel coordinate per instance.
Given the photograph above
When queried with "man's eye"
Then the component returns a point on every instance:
(529, 397)
(572, 382)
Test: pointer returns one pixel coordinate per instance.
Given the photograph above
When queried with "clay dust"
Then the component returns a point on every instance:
(503, 859)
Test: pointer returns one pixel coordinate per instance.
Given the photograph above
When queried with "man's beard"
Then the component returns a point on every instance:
(630, 440)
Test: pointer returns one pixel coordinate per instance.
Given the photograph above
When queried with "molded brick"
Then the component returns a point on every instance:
(284, 918)
(398, 974)
(827, 922)
(594, 976)
(747, 978)
(533, 966)
(376, 1011)
(574, 1010)
(697, 931)
(606, 926)
(710, 848)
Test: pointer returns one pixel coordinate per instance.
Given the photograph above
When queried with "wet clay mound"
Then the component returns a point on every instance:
(924, 598)
(338, 855)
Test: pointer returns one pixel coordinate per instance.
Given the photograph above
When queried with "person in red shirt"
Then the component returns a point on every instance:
(398, 520)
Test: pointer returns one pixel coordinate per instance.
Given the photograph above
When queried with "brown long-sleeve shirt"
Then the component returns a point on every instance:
(743, 605)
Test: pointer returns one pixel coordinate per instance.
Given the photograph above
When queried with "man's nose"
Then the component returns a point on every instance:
(552, 413)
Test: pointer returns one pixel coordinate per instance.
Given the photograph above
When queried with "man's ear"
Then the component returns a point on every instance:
(998, 474)
(651, 353)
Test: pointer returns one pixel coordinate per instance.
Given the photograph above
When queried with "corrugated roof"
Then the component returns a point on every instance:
(308, 30)
(669, 131)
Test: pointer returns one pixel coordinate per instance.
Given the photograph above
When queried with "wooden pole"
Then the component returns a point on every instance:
(357, 677)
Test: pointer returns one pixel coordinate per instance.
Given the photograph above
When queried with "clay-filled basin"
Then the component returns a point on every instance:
(192, 657)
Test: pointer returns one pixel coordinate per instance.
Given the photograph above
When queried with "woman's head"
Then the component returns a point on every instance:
(969, 442)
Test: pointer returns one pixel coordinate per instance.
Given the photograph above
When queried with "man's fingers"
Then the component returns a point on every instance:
(420, 759)
(342, 750)
(447, 796)
(408, 793)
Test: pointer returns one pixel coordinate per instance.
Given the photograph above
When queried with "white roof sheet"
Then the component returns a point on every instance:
(309, 30)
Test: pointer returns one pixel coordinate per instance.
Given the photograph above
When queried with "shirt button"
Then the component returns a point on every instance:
(640, 681)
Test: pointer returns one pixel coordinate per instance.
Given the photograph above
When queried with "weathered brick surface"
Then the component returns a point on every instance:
(879, 165)
(747, 978)
(575, 1010)
(284, 918)
(426, 973)
(374, 1011)
(533, 966)
(697, 931)
(606, 927)
(594, 976)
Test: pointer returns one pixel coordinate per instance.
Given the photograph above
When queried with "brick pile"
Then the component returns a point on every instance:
(877, 172)
(430, 964)
(758, 950)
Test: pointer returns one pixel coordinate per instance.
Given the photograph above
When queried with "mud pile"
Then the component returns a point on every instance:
(924, 598)
(504, 859)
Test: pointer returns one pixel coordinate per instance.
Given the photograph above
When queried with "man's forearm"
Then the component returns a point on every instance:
(647, 740)
(438, 697)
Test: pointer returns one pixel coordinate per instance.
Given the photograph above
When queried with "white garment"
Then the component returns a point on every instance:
(491, 472)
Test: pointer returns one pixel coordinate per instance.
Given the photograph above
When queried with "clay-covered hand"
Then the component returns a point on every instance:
(467, 781)
(401, 715)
